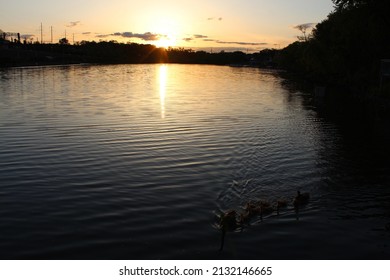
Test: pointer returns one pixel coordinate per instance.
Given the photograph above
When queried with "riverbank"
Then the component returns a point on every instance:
(16, 54)
(18, 57)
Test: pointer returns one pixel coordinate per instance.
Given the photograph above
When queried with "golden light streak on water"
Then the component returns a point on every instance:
(163, 85)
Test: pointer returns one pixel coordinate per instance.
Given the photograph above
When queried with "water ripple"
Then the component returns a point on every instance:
(124, 164)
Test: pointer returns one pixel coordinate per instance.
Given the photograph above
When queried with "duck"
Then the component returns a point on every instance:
(301, 199)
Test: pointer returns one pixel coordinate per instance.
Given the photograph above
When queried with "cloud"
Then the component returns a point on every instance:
(241, 43)
(304, 26)
(73, 24)
(147, 36)
(86, 33)
(27, 36)
(212, 18)
(206, 39)
(103, 35)
(194, 37)
(199, 36)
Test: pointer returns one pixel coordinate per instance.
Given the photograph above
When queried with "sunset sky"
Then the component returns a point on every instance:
(220, 24)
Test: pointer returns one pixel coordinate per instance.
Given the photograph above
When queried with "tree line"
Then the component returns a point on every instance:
(18, 54)
(346, 48)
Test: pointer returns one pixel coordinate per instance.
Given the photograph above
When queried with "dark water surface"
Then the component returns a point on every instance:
(137, 162)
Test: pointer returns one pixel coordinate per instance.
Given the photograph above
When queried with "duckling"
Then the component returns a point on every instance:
(301, 199)
(245, 218)
(249, 211)
(265, 208)
(281, 203)
(228, 220)
(252, 208)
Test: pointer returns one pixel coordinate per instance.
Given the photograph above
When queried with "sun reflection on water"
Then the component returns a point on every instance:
(163, 84)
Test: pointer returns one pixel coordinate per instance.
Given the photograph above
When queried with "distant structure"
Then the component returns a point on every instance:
(41, 34)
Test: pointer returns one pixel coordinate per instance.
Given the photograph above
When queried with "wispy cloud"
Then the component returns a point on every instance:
(103, 35)
(27, 36)
(235, 42)
(304, 26)
(73, 24)
(86, 33)
(199, 36)
(147, 36)
(214, 18)
(241, 43)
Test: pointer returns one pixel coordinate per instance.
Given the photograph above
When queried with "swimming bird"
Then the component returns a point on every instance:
(281, 203)
(301, 199)
(265, 208)
(255, 208)
(262, 207)
(228, 220)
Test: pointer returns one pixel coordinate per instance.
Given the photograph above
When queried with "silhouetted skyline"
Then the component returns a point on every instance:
(217, 24)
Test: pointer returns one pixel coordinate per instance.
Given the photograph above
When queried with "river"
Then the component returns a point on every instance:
(139, 161)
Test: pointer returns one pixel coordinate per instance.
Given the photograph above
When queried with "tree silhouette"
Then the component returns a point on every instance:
(347, 4)
(63, 41)
(303, 28)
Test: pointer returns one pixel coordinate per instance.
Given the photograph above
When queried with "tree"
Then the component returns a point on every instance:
(303, 28)
(2, 34)
(348, 4)
(64, 41)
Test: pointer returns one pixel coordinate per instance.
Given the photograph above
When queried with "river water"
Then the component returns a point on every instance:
(139, 161)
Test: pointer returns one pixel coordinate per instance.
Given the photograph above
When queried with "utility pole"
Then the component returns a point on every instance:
(73, 38)
(41, 34)
(51, 34)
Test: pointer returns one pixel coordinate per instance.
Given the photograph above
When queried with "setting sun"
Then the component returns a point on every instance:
(165, 42)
